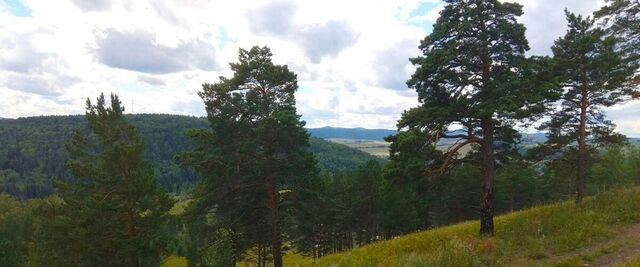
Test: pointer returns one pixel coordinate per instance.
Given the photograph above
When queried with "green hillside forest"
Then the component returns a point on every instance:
(32, 153)
(249, 186)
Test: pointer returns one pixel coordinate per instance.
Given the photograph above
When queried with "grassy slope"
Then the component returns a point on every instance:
(552, 235)
(635, 262)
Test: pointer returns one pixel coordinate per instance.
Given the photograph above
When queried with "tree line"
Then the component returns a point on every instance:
(261, 192)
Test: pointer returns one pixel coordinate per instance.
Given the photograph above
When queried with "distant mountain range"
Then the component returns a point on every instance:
(351, 133)
(380, 134)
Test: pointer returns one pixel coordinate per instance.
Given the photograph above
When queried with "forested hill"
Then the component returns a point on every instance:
(32, 151)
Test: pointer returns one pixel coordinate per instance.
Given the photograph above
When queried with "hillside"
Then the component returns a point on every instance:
(603, 231)
(32, 151)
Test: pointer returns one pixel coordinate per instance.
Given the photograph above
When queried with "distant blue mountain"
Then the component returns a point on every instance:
(380, 134)
(350, 133)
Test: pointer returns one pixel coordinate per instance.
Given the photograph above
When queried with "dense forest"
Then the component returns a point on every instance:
(32, 153)
(248, 184)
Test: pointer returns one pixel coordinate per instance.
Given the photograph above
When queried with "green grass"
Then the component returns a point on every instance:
(175, 261)
(545, 235)
(179, 207)
(375, 148)
(381, 148)
(634, 262)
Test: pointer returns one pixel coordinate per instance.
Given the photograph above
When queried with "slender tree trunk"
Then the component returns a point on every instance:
(132, 261)
(273, 198)
(581, 184)
(276, 240)
(486, 212)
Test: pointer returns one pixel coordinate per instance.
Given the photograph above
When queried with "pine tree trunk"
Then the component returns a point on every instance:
(132, 261)
(486, 212)
(276, 241)
(581, 185)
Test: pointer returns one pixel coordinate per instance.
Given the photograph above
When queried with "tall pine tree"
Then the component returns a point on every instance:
(254, 160)
(115, 211)
(593, 75)
(474, 75)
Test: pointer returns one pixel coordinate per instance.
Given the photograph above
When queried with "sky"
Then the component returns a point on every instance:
(350, 56)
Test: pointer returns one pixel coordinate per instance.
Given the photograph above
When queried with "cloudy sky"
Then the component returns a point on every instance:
(351, 56)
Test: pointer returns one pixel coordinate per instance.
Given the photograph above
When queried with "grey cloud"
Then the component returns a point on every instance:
(334, 102)
(22, 56)
(303, 72)
(391, 63)
(622, 114)
(39, 84)
(272, 19)
(151, 80)
(313, 115)
(28, 70)
(138, 51)
(192, 107)
(546, 21)
(350, 85)
(161, 8)
(408, 93)
(326, 40)
(93, 5)
(317, 41)
(376, 110)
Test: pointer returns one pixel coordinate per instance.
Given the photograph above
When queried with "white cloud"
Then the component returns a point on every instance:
(351, 57)
(545, 20)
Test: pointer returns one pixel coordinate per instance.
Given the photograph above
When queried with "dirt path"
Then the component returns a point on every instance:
(630, 236)
(620, 248)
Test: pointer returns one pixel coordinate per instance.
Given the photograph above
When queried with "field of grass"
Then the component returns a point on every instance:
(381, 148)
(375, 148)
(174, 261)
(562, 234)
(634, 262)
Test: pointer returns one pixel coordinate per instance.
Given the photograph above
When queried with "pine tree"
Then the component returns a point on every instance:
(254, 160)
(115, 211)
(594, 76)
(474, 74)
(621, 19)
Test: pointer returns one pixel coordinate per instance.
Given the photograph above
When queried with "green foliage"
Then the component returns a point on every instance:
(253, 181)
(219, 253)
(614, 167)
(334, 157)
(594, 76)
(32, 153)
(113, 211)
(520, 185)
(620, 19)
(14, 232)
(474, 74)
(344, 212)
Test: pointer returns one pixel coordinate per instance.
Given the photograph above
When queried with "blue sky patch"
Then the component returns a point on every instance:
(16, 8)
(423, 9)
(223, 37)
